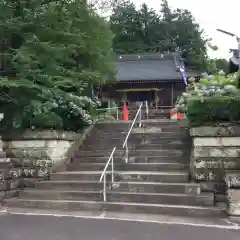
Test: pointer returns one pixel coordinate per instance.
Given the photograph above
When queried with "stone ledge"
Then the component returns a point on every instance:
(216, 152)
(208, 131)
(35, 155)
(217, 162)
(233, 196)
(43, 135)
(216, 141)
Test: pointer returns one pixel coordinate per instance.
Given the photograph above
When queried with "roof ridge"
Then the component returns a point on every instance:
(145, 56)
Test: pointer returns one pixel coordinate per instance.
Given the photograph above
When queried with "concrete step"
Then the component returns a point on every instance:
(146, 127)
(160, 121)
(79, 195)
(141, 140)
(161, 198)
(136, 134)
(170, 176)
(134, 146)
(119, 124)
(128, 207)
(113, 196)
(150, 153)
(145, 187)
(151, 115)
(92, 166)
(132, 159)
(62, 205)
(137, 137)
(165, 209)
(70, 185)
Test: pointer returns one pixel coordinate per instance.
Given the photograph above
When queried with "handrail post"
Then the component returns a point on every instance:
(125, 143)
(104, 188)
(140, 117)
(117, 114)
(146, 108)
(126, 152)
(112, 170)
(103, 175)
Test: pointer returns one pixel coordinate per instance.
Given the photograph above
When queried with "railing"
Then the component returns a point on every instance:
(125, 143)
(103, 176)
(125, 146)
(147, 109)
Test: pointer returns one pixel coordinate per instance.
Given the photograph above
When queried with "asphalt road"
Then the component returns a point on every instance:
(21, 227)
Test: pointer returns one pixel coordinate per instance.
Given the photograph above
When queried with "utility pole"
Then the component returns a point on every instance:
(238, 41)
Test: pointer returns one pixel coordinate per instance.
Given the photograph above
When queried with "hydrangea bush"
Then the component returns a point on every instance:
(212, 100)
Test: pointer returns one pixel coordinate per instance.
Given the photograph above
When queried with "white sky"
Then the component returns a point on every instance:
(210, 14)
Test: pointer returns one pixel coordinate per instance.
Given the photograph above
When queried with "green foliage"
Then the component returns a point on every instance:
(145, 30)
(216, 65)
(53, 52)
(212, 100)
(213, 110)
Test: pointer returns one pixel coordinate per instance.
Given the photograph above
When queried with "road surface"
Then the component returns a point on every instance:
(23, 227)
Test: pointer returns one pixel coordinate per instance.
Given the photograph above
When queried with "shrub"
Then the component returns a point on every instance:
(212, 100)
(213, 110)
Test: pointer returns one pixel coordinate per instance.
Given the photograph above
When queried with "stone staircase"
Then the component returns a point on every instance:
(153, 113)
(155, 181)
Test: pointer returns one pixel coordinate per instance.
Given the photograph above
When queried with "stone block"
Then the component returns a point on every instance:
(213, 186)
(209, 131)
(216, 152)
(15, 173)
(26, 144)
(208, 175)
(233, 196)
(2, 185)
(232, 179)
(216, 163)
(216, 141)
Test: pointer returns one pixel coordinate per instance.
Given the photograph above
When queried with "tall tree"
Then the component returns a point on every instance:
(127, 28)
(151, 29)
(189, 39)
(222, 64)
(144, 30)
(55, 50)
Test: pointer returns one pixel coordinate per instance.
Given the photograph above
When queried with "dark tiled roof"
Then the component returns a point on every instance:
(149, 67)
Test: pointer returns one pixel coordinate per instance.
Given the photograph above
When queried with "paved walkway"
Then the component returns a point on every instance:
(23, 227)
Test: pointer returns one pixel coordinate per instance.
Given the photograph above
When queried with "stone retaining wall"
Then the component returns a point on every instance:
(35, 155)
(215, 161)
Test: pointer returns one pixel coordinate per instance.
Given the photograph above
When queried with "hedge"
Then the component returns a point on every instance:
(213, 110)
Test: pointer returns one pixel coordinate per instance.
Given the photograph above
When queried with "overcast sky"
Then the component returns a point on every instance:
(210, 14)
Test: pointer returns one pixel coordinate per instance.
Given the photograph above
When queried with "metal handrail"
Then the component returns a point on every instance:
(103, 175)
(125, 145)
(147, 108)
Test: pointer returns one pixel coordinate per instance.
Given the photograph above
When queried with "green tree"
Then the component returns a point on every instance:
(127, 28)
(189, 39)
(152, 29)
(54, 51)
(222, 64)
(171, 30)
